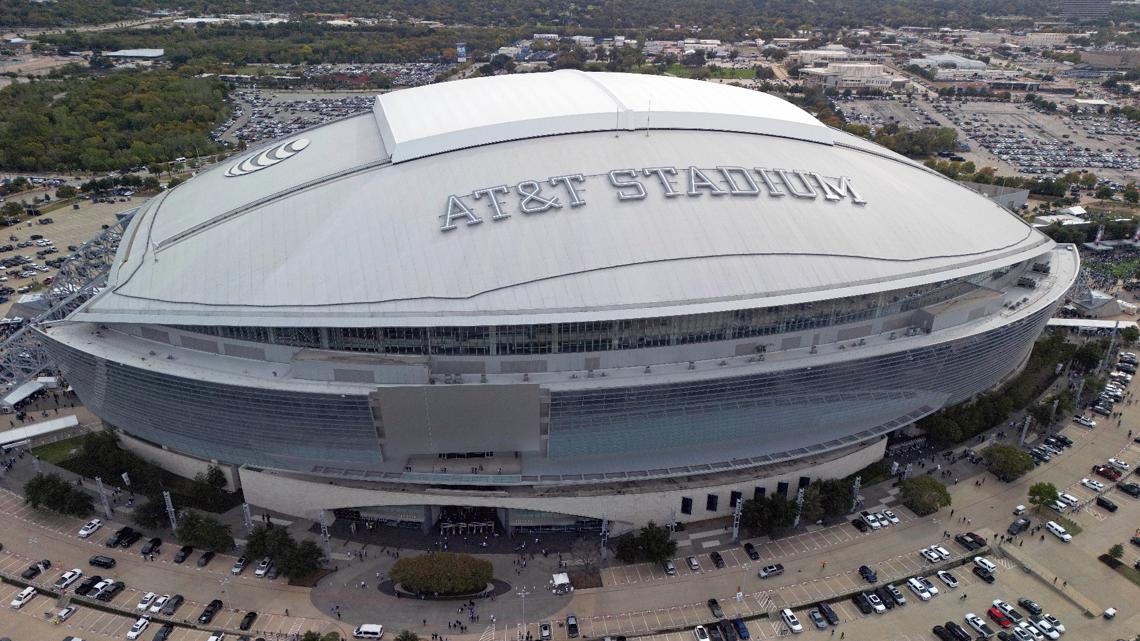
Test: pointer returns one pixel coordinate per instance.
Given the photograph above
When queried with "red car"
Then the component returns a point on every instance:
(1107, 472)
(999, 617)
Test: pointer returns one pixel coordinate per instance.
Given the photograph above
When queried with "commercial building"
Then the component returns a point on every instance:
(948, 61)
(851, 75)
(1085, 10)
(578, 297)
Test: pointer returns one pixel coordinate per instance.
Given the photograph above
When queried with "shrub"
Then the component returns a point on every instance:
(924, 495)
(444, 573)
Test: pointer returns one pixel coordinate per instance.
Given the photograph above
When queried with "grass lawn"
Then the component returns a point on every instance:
(1130, 573)
(59, 451)
(729, 73)
(1070, 526)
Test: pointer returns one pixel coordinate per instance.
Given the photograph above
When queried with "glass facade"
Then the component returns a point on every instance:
(602, 336)
(743, 415)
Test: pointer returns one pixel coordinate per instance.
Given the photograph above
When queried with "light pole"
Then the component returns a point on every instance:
(523, 593)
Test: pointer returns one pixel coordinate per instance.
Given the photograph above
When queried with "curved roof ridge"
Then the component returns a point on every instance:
(425, 121)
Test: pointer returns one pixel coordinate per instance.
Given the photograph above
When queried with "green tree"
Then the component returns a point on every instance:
(269, 541)
(1006, 461)
(656, 543)
(50, 492)
(328, 636)
(204, 532)
(1130, 335)
(1103, 192)
(303, 560)
(1041, 494)
(812, 509)
(924, 494)
(66, 191)
(151, 513)
(1116, 551)
(11, 208)
(1131, 194)
(836, 497)
(444, 573)
(407, 635)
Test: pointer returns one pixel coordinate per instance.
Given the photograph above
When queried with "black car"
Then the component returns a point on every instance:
(130, 538)
(727, 630)
(942, 633)
(868, 574)
(714, 607)
(152, 546)
(164, 632)
(828, 612)
(957, 632)
(984, 574)
(1031, 605)
(1131, 489)
(85, 587)
(860, 525)
(205, 559)
(101, 561)
(183, 553)
(751, 551)
(1106, 504)
(965, 541)
(172, 605)
(717, 559)
(886, 597)
(247, 621)
(35, 569)
(116, 540)
(1018, 526)
(860, 600)
(111, 591)
(714, 633)
(210, 611)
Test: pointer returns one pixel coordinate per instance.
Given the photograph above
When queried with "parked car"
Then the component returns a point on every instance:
(571, 626)
(775, 569)
(90, 528)
(239, 565)
(209, 612)
(183, 553)
(205, 559)
(101, 561)
(714, 607)
(751, 551)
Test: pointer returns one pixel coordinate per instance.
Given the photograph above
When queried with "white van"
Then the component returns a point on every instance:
(1069, 498)
(22, 598)
(1058, 531)
(791, 621)
(1059, 506)
(985, 564)
(368, 631)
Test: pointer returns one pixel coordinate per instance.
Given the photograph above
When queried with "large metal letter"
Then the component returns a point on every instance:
(773, 188)
(838, 191)
(568, 180)
(807, 192)
(497, 206)
(457, 209)
(622, 184)
(698, 181)
(733, 188)
(530, 191)
(666, 184)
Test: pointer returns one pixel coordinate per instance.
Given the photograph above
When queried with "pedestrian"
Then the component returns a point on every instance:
(338, 615)
(425, 623)
(286, 611)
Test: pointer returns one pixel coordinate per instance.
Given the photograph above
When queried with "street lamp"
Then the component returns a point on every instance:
(523, 593)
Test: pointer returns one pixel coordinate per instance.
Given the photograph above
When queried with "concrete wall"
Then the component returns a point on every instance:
(180, 464)
(628, 507)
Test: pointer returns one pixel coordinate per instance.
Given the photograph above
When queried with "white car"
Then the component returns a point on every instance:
(701, 633)
(892, 517)
(1046, 628)
(949, 579)
(138, 628)
(263, 567)
(1059, 531)
(1033, 631)
(1092, 485)
(942, 552)
(66, 613)
(21, 599)
(67, 578)
(1021, 633)
(930, 555)
(1054, 621)
(146, 600)
(90, 528)
(876, 602)
(930, 587)
(156, 607)
(919, 589)
(1084, 420)
(1119, 464)
(791, 621)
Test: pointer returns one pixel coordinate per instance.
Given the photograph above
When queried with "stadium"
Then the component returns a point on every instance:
(553, 300)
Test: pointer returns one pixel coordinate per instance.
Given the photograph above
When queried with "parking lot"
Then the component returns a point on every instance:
(878, 112)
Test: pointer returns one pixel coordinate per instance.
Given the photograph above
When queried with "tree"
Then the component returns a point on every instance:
(270, 541)
(446, 573)
(1104, 192)
(1130, 335)
(924, 494)
(11, 208)
(51, 492)
(329, 636)
(1131, 194)
(812, 508)
(303, 560)
(651, 543)
(1088, 356)
(66, 191)
(836, 497)
(1041, 494)
(204, 532)
(1116, 551)
(407, 635)
(151, 513)
(585, 552)
(1007, 462)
